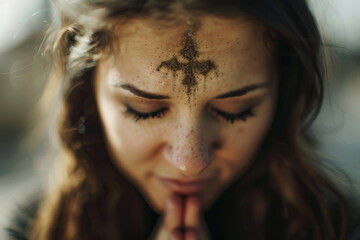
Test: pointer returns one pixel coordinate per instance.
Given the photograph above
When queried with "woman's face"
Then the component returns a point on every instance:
(185, 110)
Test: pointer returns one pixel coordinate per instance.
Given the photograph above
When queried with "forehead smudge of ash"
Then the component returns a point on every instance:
(192, 66)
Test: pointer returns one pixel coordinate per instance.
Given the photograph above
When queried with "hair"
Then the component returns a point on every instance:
(284, 194)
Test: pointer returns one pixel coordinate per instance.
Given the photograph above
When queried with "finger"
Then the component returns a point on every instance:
(192, 212)
(173, 212)
(191, 234)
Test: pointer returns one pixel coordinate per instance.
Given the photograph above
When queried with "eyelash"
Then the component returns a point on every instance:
(235, 117)
(143, 116)
(231, 118)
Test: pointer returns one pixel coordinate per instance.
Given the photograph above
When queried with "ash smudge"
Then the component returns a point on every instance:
(190, 53)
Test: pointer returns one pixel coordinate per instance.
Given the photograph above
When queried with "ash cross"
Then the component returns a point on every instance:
(193, 66)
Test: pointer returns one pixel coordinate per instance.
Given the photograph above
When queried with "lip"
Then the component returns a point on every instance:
(184, 187)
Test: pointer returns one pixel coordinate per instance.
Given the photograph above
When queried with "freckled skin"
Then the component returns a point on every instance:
(190, 141)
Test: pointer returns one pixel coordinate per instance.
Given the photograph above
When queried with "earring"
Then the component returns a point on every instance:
(82, 128)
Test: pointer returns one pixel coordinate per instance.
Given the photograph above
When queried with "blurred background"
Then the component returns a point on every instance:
(25, 161)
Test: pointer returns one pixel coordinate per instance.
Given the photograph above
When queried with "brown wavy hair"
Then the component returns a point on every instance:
(285, 194)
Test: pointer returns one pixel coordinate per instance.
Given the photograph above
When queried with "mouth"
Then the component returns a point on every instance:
(185, 188)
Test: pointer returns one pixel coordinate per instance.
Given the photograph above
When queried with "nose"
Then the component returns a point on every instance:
(191, 149)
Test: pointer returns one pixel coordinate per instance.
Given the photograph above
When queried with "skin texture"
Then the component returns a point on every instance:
(190, 141)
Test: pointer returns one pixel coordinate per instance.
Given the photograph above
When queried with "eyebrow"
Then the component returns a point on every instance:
(144, 94)
(239, 92)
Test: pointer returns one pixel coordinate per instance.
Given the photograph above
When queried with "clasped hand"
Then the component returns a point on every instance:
(182, 220)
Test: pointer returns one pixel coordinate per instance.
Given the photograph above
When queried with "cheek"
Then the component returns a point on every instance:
(123, 138)
(243, 144)
(135, 148)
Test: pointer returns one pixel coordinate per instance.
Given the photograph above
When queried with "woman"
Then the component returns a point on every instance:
(189, 120)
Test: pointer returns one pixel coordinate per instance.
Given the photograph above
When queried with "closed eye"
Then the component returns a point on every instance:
(143, 116)
(232, 117)
(229, 117)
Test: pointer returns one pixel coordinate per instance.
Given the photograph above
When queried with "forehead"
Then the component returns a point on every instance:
(236, 47)
(208, 27)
